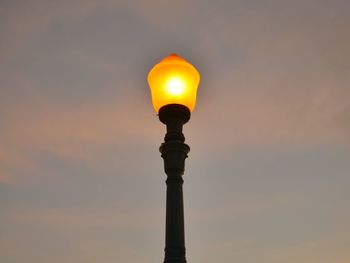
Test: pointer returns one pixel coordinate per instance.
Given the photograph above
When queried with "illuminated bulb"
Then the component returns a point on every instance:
(173, 81)
(175, 86)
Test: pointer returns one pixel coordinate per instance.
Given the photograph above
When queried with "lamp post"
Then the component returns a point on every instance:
(173, 83)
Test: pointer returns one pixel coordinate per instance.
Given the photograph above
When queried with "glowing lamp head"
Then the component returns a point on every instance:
(173, 81)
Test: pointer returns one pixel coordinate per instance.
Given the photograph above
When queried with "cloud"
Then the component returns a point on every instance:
(273, 78)
(90, 219)
(266, 79)
(76, 133)
(79, 137)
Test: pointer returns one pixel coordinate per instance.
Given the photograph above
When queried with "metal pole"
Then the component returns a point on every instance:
(174, 152)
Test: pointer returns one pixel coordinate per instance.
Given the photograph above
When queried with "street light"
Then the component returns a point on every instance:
(174, 84)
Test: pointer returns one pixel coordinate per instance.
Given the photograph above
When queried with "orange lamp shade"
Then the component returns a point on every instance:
(173, 81)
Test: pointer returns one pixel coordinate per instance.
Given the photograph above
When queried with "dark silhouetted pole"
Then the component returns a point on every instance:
(174, 152)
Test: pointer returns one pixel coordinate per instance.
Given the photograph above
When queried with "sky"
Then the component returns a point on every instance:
(268, 176)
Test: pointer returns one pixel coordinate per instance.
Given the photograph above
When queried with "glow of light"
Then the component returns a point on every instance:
(173, 81)
(175, 86)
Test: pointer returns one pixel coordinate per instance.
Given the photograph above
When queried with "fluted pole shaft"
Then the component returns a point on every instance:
(174, 152)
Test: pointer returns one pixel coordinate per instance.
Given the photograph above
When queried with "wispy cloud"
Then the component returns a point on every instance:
(269, 136)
